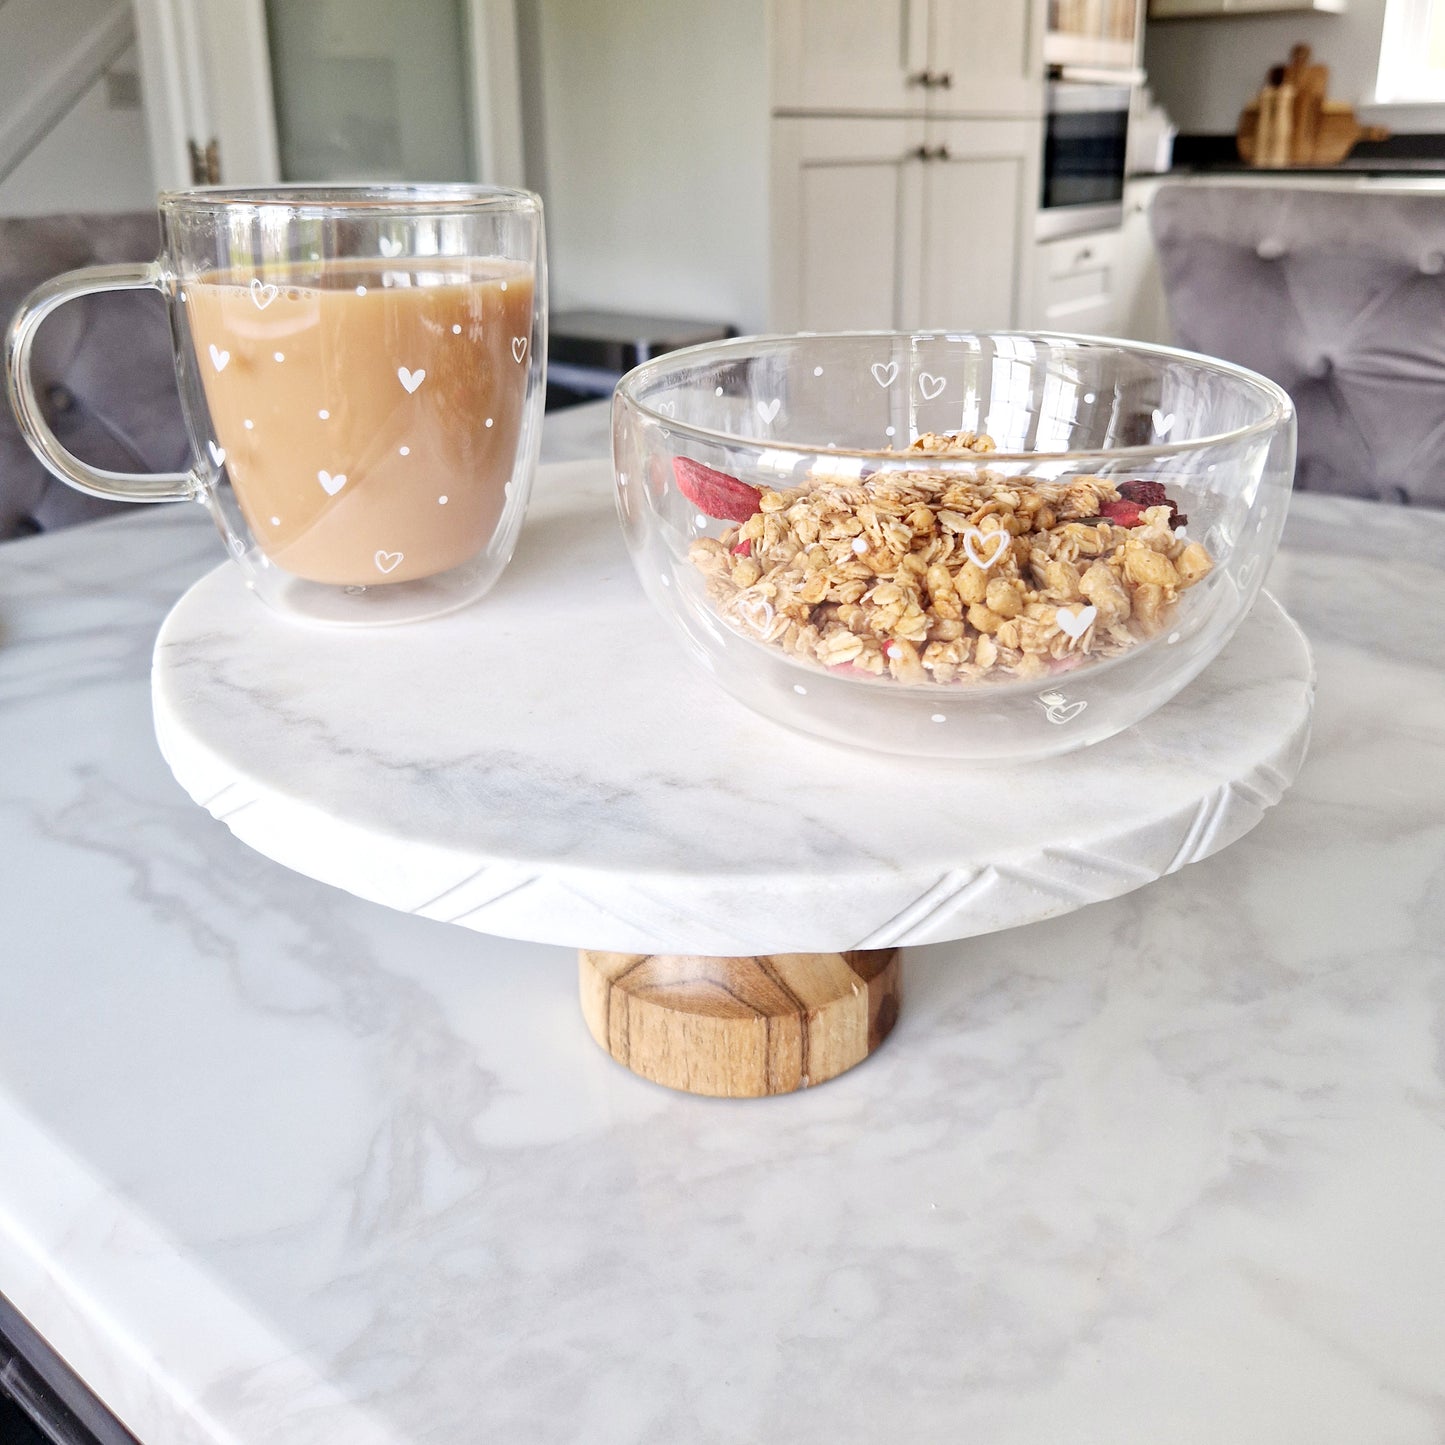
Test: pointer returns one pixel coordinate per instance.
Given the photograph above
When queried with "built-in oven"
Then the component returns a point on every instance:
(1086, 128)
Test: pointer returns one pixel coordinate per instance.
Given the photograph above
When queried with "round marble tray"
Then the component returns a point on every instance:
(547, 765)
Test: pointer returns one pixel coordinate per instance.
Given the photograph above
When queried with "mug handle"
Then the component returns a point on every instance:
(94, 481)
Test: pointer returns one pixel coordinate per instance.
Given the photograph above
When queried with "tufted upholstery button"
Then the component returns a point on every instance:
(1432, 263)
(61, 398)
(1271, 248)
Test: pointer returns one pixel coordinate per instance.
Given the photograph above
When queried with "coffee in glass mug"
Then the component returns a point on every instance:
(361, 376)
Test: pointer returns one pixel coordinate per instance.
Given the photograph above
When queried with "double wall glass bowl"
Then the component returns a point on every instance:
(818, 424)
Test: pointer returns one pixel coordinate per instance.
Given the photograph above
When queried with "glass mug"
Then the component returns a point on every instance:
(361, 372)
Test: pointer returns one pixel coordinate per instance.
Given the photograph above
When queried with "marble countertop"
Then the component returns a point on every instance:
(280, 1165)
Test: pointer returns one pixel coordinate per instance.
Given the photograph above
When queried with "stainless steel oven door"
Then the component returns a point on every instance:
(1085, 135)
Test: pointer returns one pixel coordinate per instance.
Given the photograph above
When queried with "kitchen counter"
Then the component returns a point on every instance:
(282, 1166)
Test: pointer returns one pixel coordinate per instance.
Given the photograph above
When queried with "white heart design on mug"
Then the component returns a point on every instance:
(1076, 624)
(519, 348)
(329, 484)
(930, 386)
(387, 561)
(410, 379)
(769, 410)
(885, 376)
(389, 247)
(218, 454)
(1000, 540)
(263, 293)
(1163, 422)
(667, 408)
(219, 358)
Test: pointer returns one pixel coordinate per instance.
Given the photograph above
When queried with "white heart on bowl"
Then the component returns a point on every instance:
(519, 348)
(768, 410)
(1163, 422)
(1062, 712)
(410, 379)
(218, 454)
(667, 408)
(1000, 541)
(1076, 624)
(930, 386)
(389, 247)
(885, 374)
(219, 358)
(329, 484)
(263, 293)
(387, 561)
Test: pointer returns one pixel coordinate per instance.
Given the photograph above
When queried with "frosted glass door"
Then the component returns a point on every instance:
(371, 89)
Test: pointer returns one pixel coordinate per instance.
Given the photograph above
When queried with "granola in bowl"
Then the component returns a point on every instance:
(929, 576)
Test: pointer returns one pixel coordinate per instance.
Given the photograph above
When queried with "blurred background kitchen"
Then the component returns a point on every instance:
(716, 165)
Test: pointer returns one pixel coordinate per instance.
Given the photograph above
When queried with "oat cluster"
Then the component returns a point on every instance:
(930, 576)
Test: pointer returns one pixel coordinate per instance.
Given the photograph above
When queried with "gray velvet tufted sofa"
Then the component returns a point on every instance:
(1338, 295)
(103, 365)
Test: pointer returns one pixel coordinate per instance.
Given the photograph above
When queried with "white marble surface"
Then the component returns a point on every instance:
(278, 1165)
(534, 768)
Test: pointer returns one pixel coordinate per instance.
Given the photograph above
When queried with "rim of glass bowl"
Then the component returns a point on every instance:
(309, 199)
(639, 376)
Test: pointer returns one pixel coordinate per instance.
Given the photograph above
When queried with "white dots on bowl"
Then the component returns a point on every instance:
(456, 328)
(717, 391)
(860, 545)
(1173, 638)
(324, 414)
(279, 355)
(504, 285)
(404, 451)
(800, 689)
(622, 479)
(939, 717)
(361, 290)
(1089, 398)
(1212, 467)
(666, 580)
(489, 421)
(183, 295)
(889, 431)
(275, 521)
(817, 371)
(441, 501)
(700, 522)
(250, 425)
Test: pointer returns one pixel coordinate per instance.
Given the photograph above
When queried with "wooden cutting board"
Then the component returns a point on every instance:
(1292, 109)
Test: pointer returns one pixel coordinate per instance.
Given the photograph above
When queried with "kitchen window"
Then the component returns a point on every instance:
(1412, 53)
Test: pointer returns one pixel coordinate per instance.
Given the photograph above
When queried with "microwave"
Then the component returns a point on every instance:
(1086, 132)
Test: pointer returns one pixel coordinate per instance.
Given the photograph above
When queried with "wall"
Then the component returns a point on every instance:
(646, 125)
(64, 144)
(1204, 72)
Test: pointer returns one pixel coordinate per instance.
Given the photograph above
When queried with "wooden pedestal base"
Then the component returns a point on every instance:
(740, 1027)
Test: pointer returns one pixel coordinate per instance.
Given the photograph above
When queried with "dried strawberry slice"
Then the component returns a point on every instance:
(1152, 494)
(1122, 514)
(714, 493)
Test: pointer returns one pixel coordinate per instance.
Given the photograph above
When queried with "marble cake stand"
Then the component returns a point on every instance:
(547, 765)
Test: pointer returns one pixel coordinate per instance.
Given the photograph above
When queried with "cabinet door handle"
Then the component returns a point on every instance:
(931, 79)
(941, 154)
(944, 79)
(929, 153)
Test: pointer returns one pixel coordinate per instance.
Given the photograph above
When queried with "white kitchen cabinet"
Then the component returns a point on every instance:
(1076, 284)
(941, 57)
(1143, 312)
(901, 223)
(1181, 9)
